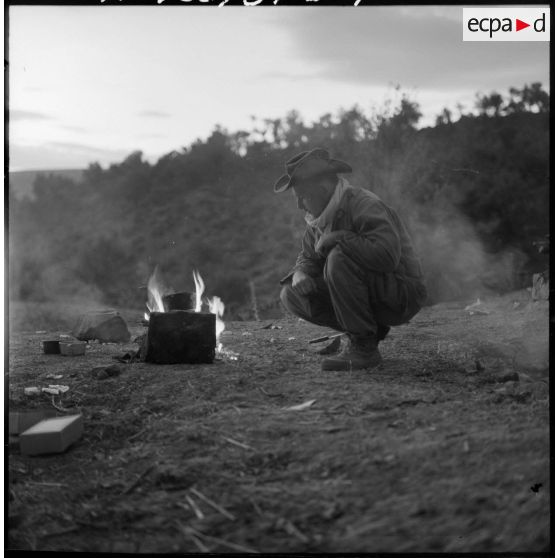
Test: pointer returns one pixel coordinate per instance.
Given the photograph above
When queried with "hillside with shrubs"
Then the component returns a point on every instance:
(474, 190)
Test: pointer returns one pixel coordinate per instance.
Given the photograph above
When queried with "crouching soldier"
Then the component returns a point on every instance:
(357, 272)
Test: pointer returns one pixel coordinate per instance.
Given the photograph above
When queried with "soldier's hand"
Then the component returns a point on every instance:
(303, 284)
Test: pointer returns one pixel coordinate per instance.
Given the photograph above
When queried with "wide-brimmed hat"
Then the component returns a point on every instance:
(309, 164)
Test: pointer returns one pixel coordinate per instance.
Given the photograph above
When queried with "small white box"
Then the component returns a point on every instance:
(53, 435)
(20, 421)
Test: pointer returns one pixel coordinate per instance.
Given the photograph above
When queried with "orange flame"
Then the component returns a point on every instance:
(155, 290)
(217, 307)
(200, 287)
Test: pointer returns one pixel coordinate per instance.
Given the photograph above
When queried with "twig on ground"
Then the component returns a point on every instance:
(256, 507)
(240, 444)
(292, 530)
(138, 480)
(61, 409)
(51, 484)
(183, 506)
(222, 542)
(338, 406)
(212, 504)
(301, 407)
(269, 394)
(272, 489)
(60, 532)
(199, 544)
(77, 392)
(195, 508)
(91, 525)
(325, 338)
(465, 170)
(185, 531)
(136, 435)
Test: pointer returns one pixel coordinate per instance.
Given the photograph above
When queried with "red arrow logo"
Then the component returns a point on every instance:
(519, 25)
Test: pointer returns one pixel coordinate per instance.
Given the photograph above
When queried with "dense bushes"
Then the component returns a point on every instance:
(474, 192)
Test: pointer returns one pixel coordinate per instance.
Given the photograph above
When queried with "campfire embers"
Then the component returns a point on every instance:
(178, 331)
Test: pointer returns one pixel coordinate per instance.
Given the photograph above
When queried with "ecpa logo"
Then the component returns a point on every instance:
(506, 24)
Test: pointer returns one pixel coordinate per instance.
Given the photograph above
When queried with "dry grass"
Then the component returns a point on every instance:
(426, 453)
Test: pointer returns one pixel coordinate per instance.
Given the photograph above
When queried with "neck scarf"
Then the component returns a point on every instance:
(324, 221)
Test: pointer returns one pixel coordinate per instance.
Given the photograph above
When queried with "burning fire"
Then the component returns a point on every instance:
(200, 287)
(217, 307)
(155, 291)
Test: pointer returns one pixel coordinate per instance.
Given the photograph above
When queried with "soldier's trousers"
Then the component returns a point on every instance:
(356, 301)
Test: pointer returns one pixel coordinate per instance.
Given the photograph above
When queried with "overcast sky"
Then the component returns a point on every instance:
(93, 84)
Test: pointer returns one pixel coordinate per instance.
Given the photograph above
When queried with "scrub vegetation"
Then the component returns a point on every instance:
(474, 190)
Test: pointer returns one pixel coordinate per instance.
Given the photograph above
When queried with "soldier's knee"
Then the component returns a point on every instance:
(285, 295)
(290, 300)
(296, 304)
(335, 268)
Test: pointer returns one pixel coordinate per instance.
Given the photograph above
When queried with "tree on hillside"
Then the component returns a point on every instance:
(210, 205)
(444, 118)
(394, 129)
(490, 105)
(532, 98)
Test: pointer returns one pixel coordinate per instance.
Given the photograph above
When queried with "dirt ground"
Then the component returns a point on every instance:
(445, 447)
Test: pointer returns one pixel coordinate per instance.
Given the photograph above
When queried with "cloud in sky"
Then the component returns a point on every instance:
(80, 147)
(416, 47)
(151, 135)
(28, 115)
(61, 155)
(164, 76)
(154, 114)
(78, 129)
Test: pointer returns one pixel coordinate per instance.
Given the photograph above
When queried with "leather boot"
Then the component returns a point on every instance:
(335, 345)
(361, 352)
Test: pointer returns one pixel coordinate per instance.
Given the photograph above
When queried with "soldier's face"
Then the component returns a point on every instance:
(312, 197)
